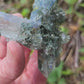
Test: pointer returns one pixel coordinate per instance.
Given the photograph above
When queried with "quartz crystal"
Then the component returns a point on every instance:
(40, 32)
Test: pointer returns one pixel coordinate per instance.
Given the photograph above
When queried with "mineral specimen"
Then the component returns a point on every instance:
(40, 32)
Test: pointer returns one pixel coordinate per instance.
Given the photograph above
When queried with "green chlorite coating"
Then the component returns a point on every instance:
(40, 32)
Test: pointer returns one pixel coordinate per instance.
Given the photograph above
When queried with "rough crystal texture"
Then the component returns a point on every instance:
(41, 7)
(40, 32)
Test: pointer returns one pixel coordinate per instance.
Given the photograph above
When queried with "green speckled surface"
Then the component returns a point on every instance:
(40, 32)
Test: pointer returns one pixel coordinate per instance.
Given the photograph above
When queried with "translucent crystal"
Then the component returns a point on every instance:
(40, 32)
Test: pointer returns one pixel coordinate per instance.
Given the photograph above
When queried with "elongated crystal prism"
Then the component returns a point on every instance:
(19, 29)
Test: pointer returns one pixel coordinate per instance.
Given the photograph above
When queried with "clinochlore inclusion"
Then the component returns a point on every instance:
(40, 32)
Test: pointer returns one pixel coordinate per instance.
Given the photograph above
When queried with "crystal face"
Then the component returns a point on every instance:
(40, 32)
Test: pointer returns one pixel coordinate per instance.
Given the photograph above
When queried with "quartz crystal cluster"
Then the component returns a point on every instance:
(40, 32)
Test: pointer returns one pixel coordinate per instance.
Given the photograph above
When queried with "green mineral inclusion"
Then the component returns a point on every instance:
(40, 32)
(46, 38)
